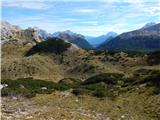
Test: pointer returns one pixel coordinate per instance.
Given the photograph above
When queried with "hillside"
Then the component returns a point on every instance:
(24, 53)
(145, 39)
(74, 38)
(104, 96)
(56, 79)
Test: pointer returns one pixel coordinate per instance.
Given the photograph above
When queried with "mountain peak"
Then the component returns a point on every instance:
(68, 31)
(72, 37)
(9, 26)
(111, 34)
(145, 39)
(149, 25)
(8, 30)
(42, 33)
(95, 41)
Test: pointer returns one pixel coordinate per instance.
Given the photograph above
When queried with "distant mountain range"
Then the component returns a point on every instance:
(26, 54)
(145, 39)
(75, 38)
(96, 41)
(36, 34)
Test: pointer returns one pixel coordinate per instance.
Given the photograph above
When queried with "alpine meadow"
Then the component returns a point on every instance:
(80, 60)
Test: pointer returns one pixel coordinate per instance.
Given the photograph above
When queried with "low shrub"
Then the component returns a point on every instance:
(145, 72)
(135, 53)
(151, 80)
(70, 82)
(26, 87)
(81, 91)
(154, 79)
(51, 45)
(154, 58)
(97, 90)
(29, 87)
(99, 52)
(108, 78)
(111, 52)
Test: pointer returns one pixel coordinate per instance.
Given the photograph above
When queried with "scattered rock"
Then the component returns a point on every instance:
(43, 88)
(14, 98)
(122, 116)
(4, 85)
(29, 117)
(1, 86)
(22, 86)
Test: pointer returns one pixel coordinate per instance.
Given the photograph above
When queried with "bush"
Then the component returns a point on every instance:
(145, 72)
(100, 93)
(106, 52)
(55, 45)
(100, 89)
(70, 82)
(135, 53)
(29, 87)
(6, 92)
(26, 87)
(151, 79)
(97, 90)
(81, 91)
(108, 78)
(155, 79)
(98, 52)
(154, 58)
(91, 89)
(111, 52)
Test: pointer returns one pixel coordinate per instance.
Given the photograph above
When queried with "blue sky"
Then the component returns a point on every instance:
(88, 17)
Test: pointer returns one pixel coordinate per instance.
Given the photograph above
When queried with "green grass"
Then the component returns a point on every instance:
(108, 78)
(105, 52)
(29, 87)
(102, 85)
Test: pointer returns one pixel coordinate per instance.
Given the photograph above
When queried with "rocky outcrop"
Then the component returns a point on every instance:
(13, 33)
(8, 31)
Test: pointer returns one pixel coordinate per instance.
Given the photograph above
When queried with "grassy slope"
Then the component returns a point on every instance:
(136, 105)
(134, 99)
(80, 64)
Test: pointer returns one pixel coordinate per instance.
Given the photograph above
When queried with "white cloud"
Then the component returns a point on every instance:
(90, 22)
(123, 1)
(131, 1)
(70, 20)
(27, 4)
(102, 18)
(85, 10)
(152, 10)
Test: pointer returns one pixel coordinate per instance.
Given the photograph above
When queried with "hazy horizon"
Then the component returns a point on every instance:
(87, 17)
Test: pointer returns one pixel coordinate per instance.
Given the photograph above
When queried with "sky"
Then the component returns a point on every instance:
(87, 17)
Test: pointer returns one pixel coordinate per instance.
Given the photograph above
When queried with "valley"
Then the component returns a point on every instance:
(57, 79)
